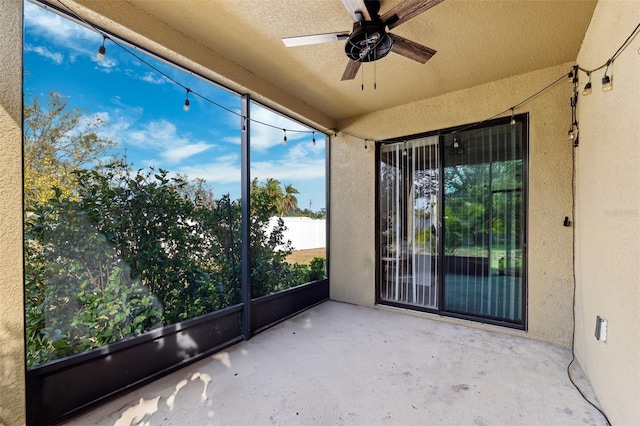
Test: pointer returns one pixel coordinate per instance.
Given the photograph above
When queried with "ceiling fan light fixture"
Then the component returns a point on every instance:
(368, 42)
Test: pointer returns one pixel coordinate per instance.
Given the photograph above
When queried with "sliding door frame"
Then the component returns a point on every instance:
(439, 310)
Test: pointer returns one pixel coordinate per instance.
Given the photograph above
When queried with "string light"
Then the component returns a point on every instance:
(365, 144)
(513, 119)
(314, 139)
(587, 87)
(102, 50)
(607, 82)
(572, 76)
(186, 101)
(573, 131)
(285, 136)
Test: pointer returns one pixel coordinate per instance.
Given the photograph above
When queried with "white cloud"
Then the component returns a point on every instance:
(154, 78)
(55, 57)
(55, 28)
(232, 139)
(226, 170)
(160, 137)
(177, 154)
(222, 171)
(117, 126)
(90, 120)
(264, 137)
(286, 171)
(106, 65)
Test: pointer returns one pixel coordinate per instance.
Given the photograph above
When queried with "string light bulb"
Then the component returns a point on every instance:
(607, 82)
(102, 50)
(573, 75)
(186, 101)
(587, 87)
(513, 119)
(314, 139)
(285, 136)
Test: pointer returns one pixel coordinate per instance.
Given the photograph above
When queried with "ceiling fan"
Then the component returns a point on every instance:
(369, 40)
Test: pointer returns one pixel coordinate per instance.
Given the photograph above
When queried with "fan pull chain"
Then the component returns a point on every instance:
(375, 76)
(362, 77)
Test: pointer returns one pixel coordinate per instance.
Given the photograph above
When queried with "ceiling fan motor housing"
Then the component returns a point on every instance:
(368, 42)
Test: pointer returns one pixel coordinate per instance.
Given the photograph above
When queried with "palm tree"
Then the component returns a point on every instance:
(289, 202)
(274, 192)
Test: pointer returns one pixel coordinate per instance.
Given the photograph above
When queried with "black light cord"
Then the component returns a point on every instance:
(511, 109)
(573, 306)
(173, 80)
(574, 102)
(613, 57)
(617, 53)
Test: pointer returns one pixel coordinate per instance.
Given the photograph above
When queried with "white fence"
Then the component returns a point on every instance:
(303, 232)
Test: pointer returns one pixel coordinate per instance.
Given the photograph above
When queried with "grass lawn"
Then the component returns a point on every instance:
(304, 257)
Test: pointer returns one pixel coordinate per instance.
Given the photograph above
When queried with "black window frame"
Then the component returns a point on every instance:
(441, 133)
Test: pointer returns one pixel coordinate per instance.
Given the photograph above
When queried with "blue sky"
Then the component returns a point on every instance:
(145, 114)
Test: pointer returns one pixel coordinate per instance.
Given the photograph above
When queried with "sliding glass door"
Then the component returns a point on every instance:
(409, 183)
(452, 221)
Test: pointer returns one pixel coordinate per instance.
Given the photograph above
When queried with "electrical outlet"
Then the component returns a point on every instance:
(601, 329)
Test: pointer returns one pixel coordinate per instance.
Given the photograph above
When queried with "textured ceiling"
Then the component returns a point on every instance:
(477, 42)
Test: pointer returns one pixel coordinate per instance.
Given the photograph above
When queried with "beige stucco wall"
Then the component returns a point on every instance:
(608, 213)
(353, 191)
(12, 386)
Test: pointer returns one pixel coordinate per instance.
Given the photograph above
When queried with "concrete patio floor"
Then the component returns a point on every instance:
(339, 364)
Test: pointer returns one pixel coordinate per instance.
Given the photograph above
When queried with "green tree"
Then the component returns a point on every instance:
(289, 201)
(57, 141)
(111, 252)
(466, 213)
(79, 293)
(280, 199)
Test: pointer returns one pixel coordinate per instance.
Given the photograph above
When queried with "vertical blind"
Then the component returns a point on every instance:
(483, 222)
(462, 254)
(409, 176)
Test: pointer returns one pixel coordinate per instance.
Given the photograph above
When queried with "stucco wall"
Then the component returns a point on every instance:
(550, 286)
(608, 213)
(352, 255)
(12, 401)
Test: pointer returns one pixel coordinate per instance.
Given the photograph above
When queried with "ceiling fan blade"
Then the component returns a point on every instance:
(357, 9)
(407, 10)
(351, 70)
(314, 39)
(411, 49)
